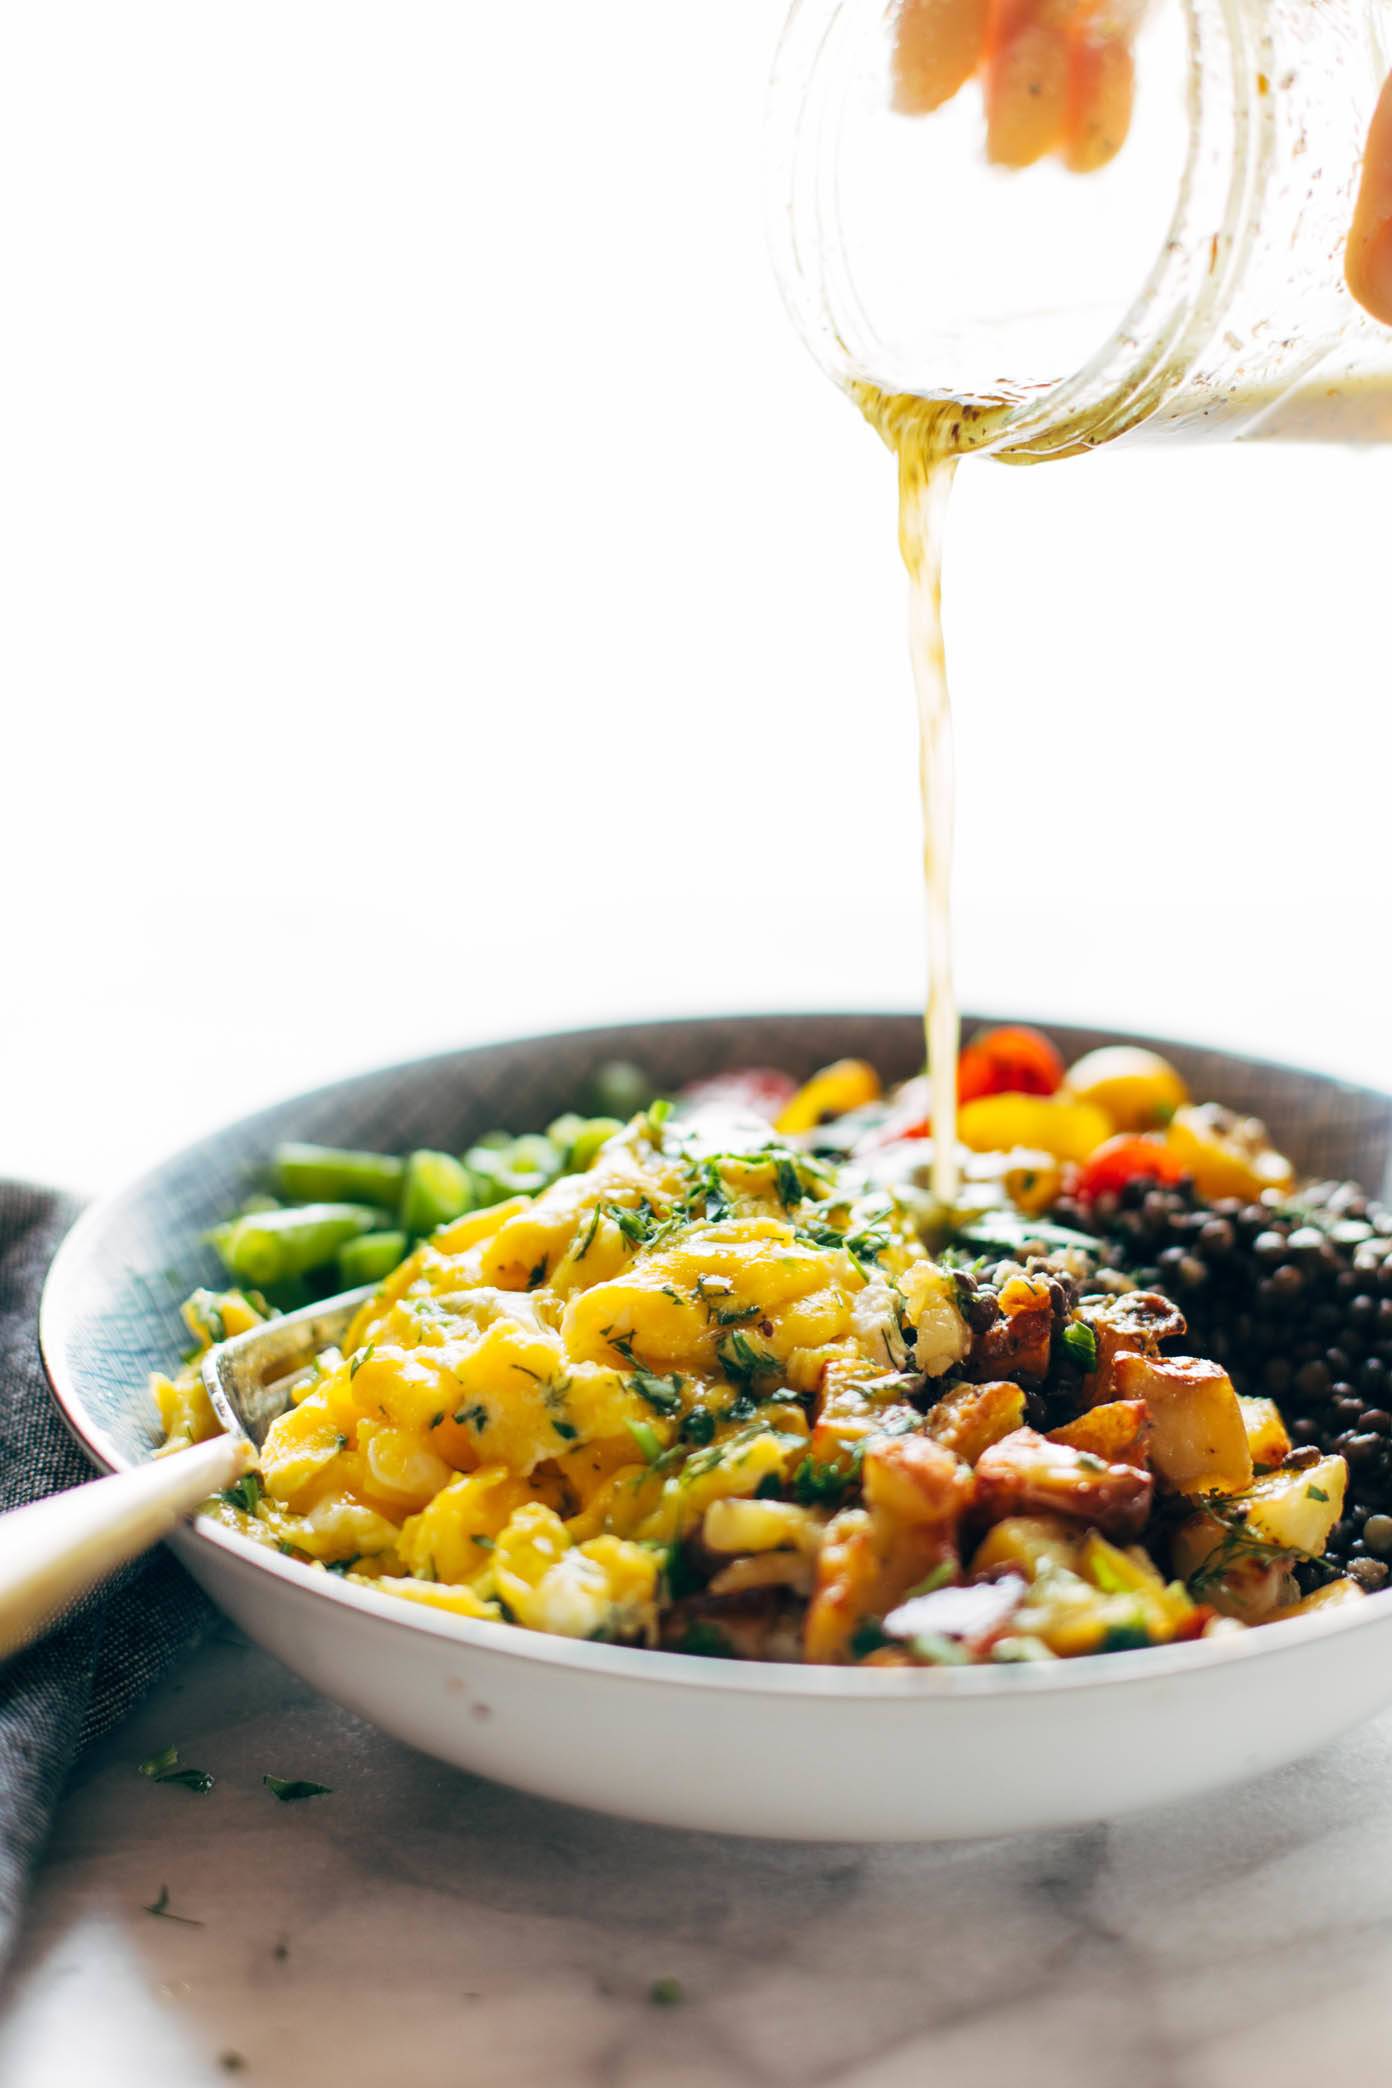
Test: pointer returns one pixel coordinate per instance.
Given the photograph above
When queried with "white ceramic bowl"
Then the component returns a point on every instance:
(822, 1754)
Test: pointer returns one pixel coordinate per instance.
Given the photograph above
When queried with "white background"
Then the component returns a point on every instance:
(441, 597)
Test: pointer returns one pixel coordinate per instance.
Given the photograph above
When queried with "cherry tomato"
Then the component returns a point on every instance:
(761, 1090)
(1012, 1060)
(1131, 1156)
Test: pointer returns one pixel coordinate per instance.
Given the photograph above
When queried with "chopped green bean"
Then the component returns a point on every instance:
(563, 1134)
(593, 1133)
(523, 1167)
(267, 1247)
(619, 1089)
(370, 1257)
(329, 1174)
(435, 1189)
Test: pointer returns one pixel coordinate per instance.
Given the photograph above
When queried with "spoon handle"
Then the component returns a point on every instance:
(52, 1550)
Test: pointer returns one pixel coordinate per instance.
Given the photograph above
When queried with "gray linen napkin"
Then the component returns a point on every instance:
(84, 1676)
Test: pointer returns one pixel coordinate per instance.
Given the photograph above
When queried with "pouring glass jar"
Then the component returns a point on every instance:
(1194, 285)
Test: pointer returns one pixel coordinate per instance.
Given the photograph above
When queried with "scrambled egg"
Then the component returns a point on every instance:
(552, 1394)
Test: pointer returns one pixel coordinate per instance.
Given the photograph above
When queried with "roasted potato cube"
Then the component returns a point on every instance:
(1119, 1432)
(847, 1580)
(1017, 1344)
(916, 1493)
(1030, 1544)
(969, 1418)
(760, 1570)
(1198, 1442)
(1297, 1509)
(1333, 1595)
(917, 1482)
(1026, 1472)
(1233, 1572)
(1266, 1433)
(1137, 1320)
(733, 1526)
(1239, 1557)
(1085, 1595)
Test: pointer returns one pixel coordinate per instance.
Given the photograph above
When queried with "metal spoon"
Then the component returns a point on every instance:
(53, 1550)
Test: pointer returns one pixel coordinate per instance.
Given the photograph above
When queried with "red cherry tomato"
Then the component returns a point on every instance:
(1011, 1060)
(761, 1090)
(1131, 1156)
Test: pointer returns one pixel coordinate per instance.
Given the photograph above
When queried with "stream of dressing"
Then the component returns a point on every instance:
(928, 436)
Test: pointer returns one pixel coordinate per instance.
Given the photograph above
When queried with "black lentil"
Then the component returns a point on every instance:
(1294, 1298)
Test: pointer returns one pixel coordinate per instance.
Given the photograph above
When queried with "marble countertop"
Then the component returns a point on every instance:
(421, 1926)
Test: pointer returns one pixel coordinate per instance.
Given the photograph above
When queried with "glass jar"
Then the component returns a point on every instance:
(1195, 285)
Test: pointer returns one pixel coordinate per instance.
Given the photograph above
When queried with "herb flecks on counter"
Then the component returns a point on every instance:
(165, 1768)
(288, 1788)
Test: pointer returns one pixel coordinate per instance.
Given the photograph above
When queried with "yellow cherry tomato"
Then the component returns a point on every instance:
(1056, 1124)
(849, 1084)
(1137, 1089)
(1227, 1155)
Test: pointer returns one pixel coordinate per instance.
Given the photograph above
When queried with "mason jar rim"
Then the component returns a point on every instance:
(1175, 312)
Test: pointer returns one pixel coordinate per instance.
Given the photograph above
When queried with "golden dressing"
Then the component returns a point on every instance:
(928, 436)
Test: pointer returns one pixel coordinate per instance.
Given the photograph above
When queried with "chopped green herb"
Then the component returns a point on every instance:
(1316, 1493)
(645, 1436)
(742, 1362)
(164, 1768)
(160, 1906)
(344, 1565)
(867, 1638)
(662, 1394)
(818, 1485)
(1081, 1344)
(737, 1315)
(698, 1428)
(819, 1235)
(787, 1181)
(588, 1241)
(483, 1543)
(244, 1493)
(708, 1641)
(566, 1430)
(637, 1226)
(360, 1357)
(289, 1788)
(718, 1205)
(1124, 1638)
(537, 1275)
